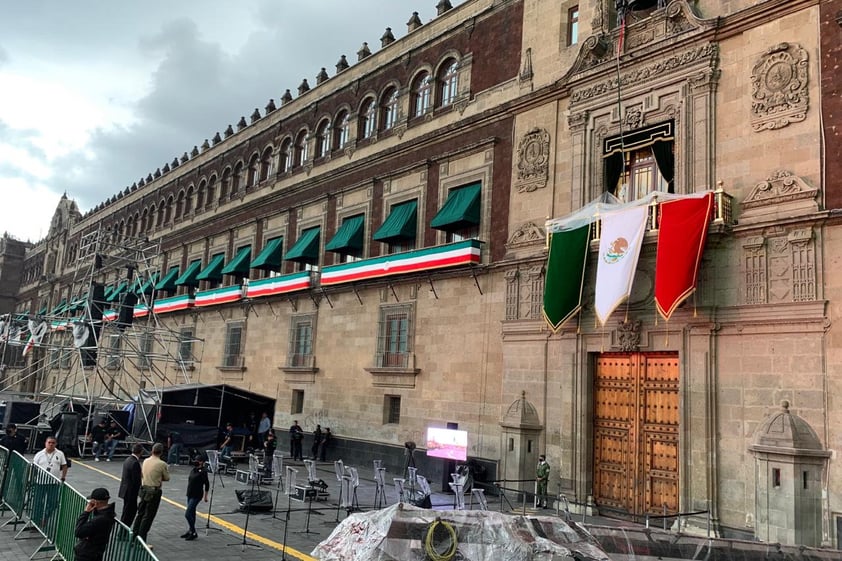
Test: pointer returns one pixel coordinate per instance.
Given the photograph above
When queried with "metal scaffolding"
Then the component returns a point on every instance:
(102, 345)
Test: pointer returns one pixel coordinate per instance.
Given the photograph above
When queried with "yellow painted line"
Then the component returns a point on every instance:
(224, 523)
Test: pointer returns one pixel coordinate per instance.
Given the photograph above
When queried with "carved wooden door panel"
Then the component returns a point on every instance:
(636, 432)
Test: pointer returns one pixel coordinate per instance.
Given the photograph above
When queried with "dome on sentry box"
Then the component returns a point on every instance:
(521, 415)
(784, 432)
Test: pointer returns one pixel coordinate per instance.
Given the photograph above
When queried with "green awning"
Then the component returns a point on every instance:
(108, 290)
(121, 288)
(240, 264)
(42, 311)
(168, 282)
(270, 258)
(213, 272)
(400, 224)
(60, 308)
(306, 249)
(189, 276)
(460, 210)
(349, 237)
(146, 287)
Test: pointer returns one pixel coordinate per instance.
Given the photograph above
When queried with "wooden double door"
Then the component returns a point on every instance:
(636, 432)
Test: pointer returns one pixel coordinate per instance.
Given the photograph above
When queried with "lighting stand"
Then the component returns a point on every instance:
(290, 490)
(255, 481)
(380, 480)
(277, 473)
(213, 462)
(339, 468)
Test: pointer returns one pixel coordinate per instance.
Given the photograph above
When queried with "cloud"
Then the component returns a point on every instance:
(4, 56)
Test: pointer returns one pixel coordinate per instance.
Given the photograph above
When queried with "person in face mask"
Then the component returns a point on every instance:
(542, 477)
(197, 490)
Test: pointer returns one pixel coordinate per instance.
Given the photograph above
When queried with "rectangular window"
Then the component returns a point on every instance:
(391, 410)
(144, 355)
(232, 357)
(112, 357)
(301, 341)
(573, 25)
(395, 335)
(297, 405)
(185, 347)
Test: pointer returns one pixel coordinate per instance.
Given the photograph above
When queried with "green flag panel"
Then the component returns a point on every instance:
(565, 275)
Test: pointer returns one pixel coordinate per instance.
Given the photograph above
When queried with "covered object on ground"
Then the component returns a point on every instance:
(198, 411)
(406, 533)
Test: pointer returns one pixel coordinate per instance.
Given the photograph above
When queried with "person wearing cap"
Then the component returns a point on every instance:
(153, 472)
(13, 441)
(93, 527)
(197, 490)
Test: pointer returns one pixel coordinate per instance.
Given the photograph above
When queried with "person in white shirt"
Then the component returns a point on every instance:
(46, 491)
(51, 459)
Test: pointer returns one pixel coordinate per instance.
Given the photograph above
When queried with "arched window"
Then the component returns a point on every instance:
(179, 205)
(224, 184)
(389, 109)
(200, 194)
(367, 119)
(237, 179)
(323, 138)
(135, 224)
(300, 149)
(286, 155)
(168, 210)
(266, 164)
(129, 226)
(161, 218)
(422, 89)
(144, 221)
(188, 200)
(342, 130)
(449, 83)
(153, 217)
(209, 198)
(254, 172)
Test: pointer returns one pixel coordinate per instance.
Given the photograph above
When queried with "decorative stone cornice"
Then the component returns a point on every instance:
(708, 54)
(781, 186)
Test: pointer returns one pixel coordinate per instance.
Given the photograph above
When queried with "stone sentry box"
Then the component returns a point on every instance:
(789, 462)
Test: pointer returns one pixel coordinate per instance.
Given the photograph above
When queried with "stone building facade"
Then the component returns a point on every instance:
(372, 252)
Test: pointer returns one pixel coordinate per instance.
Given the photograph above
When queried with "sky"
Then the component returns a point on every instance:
(95, 94)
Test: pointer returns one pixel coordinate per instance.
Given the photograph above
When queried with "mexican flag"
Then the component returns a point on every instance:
(565, 275)
(681, 239)
(619, 250)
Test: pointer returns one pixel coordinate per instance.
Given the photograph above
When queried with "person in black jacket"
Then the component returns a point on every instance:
(197, 490)
(93, 527)
(130, 485)
(13, 441)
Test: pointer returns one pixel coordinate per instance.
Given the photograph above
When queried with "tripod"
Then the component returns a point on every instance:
(311, 492)
(254, 475)
(277, 473)
(213, 462)
(339, 468)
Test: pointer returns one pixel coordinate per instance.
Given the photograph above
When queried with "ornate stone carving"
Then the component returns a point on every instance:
(526, 72)
(533, 164)
(528, 233)
(627, 335)
(633, 118)
(781, 186)
(577, 121)
(779, 87)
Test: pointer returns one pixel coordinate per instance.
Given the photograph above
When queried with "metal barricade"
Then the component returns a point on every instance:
(17, 479)
(45, 501)
(71, 505)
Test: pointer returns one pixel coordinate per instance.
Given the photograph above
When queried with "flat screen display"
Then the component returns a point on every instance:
(447, 443)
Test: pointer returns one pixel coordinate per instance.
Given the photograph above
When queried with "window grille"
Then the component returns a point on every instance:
(232, 356)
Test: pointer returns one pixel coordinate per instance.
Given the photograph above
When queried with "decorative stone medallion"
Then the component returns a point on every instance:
(533, 163)
(779, 87)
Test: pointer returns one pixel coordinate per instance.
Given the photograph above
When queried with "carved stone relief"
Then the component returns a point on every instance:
(627, 335)
(782, 195)
(524, 292)
(527, 234)
(780, 266)
(779, 87)
(533, 161)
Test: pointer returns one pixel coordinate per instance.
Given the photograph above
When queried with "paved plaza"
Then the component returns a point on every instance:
(228, 534)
